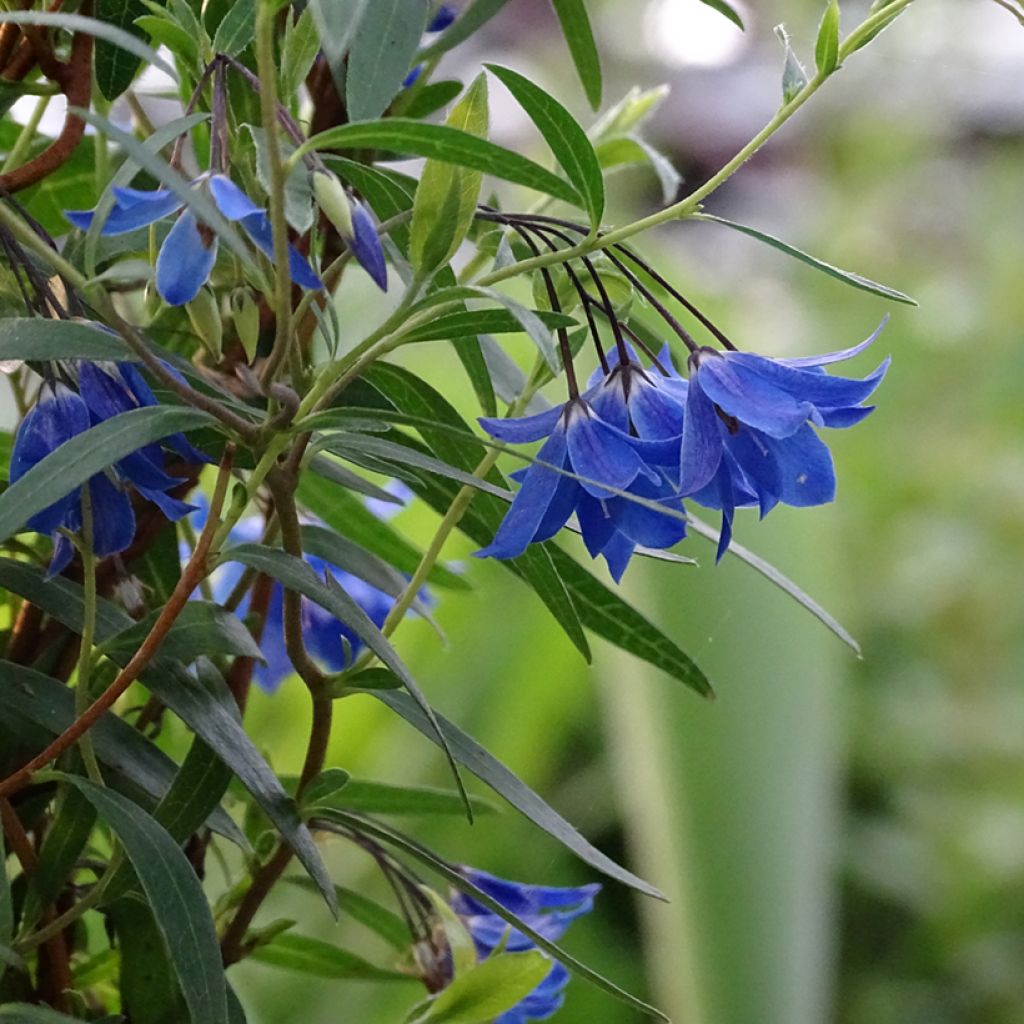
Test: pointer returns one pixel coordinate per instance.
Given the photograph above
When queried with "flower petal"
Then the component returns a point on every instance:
(739, 390)
(257, 226)
(531, 504)
(185, 262)
(837, 357)
(805, 468)
(230, 199)
(113, 521)
(134, 209)
(366, 247)
(819, 389)
(600, 455)
(655, 413)
(702, 441)
(526, 428)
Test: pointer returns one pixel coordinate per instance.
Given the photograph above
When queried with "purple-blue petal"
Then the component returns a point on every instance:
(806, 470)
(133, 209)
(837, 357)
(185, 262)
(366, 246)
(701, 451)
(600, 455)
(232, 202)
(524, 429)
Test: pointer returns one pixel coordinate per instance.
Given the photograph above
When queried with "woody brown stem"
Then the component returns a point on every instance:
(75, 81)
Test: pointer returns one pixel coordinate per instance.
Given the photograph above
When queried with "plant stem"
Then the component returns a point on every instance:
(279, 224)
(27, 133)
(88, 555)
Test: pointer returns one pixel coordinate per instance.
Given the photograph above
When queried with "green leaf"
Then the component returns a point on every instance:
(383, 798)
(39, 339)
(430, 98)
(579, 36)
(623, 150)
(202, 628)
(568, 141)
(846, 276)
(488, 990)
(324, 786)
(115, 68)
(147, 983)
(65, 839)
(321, 960)
(794, 77)
(442, 142)
(605, 613)
(456, 879)
(447, 195)
(237, 30)
(93, 27)
(301, 45)
(385, 923)
(79, 458)
(205, 705)
(476, 15)
(471, 322)
(336, 21)
(351, 517)
(383, 48)
(723, 7)
(175, 896)
(507, 785)
(297, 575)
(298, 190)
(826, 49)
(49, 704)
(164, 31)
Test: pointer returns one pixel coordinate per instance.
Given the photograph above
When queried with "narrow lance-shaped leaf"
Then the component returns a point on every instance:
(447, 195)
(507, 785)
(336, 21)
(579, 36)
(826, 50)
(84, 455)
(296, 575)
(41, 339)
(475, 15)
(319, 959)
(723, 7)
(237, 30)
(568, 141)
(115, 67)
(175, 896)
(459, 881)
(846, 276)
(384, 45)
(442, 142)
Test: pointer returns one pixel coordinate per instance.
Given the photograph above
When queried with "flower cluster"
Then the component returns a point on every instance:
(740, 431)
(81, 396)
(547, 910)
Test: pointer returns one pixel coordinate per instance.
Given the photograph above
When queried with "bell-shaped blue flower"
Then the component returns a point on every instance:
(59, 414)
(749, 437)
(547, 910)
(189, 251)
(582, 457)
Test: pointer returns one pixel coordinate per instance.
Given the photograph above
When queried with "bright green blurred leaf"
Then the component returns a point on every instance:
(579, 36)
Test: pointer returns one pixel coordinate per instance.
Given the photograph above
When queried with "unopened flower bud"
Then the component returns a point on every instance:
(206, 321)
(245, 315)
(333, 200)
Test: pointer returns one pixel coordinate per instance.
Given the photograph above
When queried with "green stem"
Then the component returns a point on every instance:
(27, 133)
(268, 112)
(85, 745)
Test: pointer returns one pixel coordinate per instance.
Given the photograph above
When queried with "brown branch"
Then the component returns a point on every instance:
(75, 81)
(59, 969)
(9, 35)
(191, 576)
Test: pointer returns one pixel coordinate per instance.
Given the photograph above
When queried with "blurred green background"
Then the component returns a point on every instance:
(842, 840)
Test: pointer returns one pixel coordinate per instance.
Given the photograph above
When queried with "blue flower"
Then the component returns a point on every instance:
(104, 390)
(189, 251)
(547, 910)
(749, 437)
(443, 17)
(581, 459)
(330, 641)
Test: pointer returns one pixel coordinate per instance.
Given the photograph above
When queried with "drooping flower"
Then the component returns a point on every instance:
(61, 412)
(189, 251)
(547, 910)
(749, 431)
(582, 458)
(355, 225)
